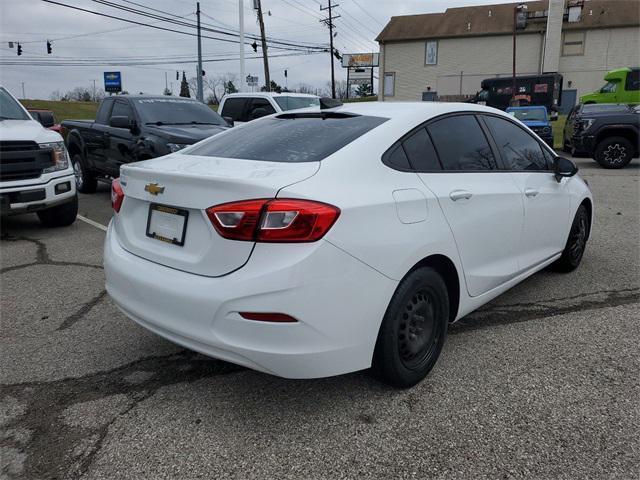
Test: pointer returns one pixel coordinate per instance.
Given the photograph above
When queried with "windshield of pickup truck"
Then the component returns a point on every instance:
(175, 111)
(293, 103)
(534, 114)
(10, 109)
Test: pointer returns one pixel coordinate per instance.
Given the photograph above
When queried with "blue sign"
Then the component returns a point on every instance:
(112, 82)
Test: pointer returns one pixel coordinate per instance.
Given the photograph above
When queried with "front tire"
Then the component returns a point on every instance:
(61, 215)
(413, 330)
(85, 181)
(614, 152)
(576, 243)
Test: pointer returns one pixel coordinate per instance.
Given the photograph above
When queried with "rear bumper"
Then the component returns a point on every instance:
(338, 301)
(30, 197)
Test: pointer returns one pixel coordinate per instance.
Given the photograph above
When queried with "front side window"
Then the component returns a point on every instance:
(288, 137)
(293, 103)
(519, 150)
(633, 80)
(10, 109)
(461, 144)
(104, 112)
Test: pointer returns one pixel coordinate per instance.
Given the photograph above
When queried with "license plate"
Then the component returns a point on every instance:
(167, 224)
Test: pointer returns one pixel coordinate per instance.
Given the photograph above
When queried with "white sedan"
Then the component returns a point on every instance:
(314, 244)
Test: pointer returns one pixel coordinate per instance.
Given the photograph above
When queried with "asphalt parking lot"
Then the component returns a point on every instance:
(541, 383)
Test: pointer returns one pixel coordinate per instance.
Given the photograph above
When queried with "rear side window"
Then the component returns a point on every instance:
(461, 144)
(234, 108)
(519, 150)
(122, 109)
(104, 112)
(420, 151)
(398, 159)
(288, 137)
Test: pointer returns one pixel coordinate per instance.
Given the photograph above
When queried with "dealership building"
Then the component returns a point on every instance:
(450, 53)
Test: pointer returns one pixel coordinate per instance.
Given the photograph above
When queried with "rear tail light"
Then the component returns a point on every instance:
(117, 195)
(273, 220)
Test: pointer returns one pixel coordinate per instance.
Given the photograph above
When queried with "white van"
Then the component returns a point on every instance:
(35, 172)
(244, 107)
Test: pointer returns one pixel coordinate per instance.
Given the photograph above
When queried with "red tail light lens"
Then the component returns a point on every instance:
(275, 220)
(117, 195)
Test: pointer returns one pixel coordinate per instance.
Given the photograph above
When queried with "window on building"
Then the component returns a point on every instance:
(431, 52)
(461, 144)
(389, 84)
(572, 43)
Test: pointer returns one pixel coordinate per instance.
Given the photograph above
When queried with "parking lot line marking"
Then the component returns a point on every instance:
(91, 222)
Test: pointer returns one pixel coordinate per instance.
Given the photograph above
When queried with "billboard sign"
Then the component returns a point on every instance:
(112, 82)
(360, 60)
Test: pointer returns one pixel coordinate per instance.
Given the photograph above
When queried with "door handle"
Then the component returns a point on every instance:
(460, 194)
(531, 192)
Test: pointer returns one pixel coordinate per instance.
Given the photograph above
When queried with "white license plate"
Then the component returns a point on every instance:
(168, 224)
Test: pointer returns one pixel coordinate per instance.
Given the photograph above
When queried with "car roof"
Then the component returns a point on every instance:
(269, 94)
(413, 111)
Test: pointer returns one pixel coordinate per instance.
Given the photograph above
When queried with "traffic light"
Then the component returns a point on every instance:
(336, 54)
(19, 49)
(285, 74)
(177, 75)
(48, 47)
(254, 45)
(203, 73)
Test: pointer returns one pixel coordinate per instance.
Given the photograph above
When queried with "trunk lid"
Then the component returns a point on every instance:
(191, 184)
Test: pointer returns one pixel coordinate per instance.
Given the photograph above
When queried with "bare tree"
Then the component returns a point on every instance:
(56, 95)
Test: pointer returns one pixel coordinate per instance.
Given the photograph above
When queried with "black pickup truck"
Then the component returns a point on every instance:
(608, 133)
(129, 128)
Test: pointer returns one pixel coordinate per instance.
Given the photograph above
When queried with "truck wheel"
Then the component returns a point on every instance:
(60, 215)
(85, 181)
(614, 152)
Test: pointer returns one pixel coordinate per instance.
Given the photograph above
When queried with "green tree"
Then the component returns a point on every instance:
(274, 87)
(229, 87)
(184, 87)
(363, 90)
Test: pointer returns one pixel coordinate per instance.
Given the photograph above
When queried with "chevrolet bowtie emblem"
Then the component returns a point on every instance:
(153, 188)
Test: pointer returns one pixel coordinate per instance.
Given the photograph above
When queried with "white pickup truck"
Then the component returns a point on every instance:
(35, 172)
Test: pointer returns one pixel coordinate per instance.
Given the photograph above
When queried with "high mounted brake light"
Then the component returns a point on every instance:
(273, 220)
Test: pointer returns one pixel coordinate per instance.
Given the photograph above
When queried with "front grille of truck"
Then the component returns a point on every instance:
(23, 160)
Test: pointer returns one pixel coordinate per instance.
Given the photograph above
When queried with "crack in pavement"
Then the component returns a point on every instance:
(75, 317)
(42, 257)
(57, 449)
(522, 312)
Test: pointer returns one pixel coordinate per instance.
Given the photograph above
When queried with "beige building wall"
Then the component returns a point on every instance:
(483, 57)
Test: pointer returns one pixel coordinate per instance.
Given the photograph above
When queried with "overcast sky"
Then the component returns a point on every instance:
(32, 22)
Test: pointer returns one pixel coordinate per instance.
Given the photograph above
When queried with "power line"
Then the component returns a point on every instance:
(368, 14)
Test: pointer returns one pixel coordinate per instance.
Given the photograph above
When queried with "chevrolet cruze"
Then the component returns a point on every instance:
(311, 244)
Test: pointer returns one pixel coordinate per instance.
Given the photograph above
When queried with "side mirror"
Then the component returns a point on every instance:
(120, 122)
(259, 113)
(563, 167)
(229, 121)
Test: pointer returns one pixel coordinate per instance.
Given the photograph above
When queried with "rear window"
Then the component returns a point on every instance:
(289, 137)
(292, 103)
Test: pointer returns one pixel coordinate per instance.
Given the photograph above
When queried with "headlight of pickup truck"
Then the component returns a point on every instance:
(60, 156)
(174, 147)
(586, 123)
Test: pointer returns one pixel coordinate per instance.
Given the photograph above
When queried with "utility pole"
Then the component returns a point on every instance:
(265, 58)
(329, 23)
(23, 95)
(242, 69)
(200, 93)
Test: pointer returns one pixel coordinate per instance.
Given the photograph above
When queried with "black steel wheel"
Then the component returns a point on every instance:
(413, 330)
(576, 242)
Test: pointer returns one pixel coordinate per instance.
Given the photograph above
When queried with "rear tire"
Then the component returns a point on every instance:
(576, 243)
(413, 330)
(61, 215)
(614, 152)
(85, 181)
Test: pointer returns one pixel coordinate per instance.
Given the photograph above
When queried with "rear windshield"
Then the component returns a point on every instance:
(288, 137)
(292, 103)
(531, 114)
